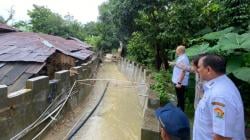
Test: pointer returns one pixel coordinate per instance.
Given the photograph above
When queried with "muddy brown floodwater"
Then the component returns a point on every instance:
(118, 117)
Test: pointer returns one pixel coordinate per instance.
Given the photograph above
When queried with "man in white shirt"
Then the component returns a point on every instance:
(180, 77)
(219, 114)
(198, 82)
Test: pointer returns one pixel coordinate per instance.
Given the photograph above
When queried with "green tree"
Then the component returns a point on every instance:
(93, 41)
(237, 13)
(150, 23)
(124, 14)
(211, 13)
(108, 31)
(166, 24)
(92, 28)
(139, 50)
(74, 29)
(45, 21)
(93, 34)
(23, 26)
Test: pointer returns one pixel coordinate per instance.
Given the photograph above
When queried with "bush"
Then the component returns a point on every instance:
(162, 85)
(164, 89)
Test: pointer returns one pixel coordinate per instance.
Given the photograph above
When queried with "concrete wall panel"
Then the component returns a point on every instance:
(19, 109)
(149, 101)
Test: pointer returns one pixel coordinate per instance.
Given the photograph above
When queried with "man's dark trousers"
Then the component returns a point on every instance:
(180, 92)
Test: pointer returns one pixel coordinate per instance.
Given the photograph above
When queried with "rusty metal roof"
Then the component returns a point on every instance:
(23, 54)
(23, 46)
(15, 74)
(34, 47)
(74, 48)
(79, 41)
(6, 28)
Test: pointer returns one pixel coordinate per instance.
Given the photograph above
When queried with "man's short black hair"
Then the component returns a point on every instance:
(216, 62)
(197, 58)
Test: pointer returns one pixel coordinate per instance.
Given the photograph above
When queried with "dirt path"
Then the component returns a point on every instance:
(118, 117)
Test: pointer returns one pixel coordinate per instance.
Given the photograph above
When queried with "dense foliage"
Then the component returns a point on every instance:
(139, 50)
(45, 21)
(238, 11)
(151, 30)
(162, 81)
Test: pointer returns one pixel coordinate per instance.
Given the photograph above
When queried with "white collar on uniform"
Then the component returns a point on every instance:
(209, 84)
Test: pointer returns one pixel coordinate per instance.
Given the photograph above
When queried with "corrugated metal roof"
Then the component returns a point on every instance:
(35, 68)
(6, 28)
(2, 64)
(74, 48)
(79, 41)
(23, 54)
(23, 46)
(82, 54)
(33, 47)
(66, 45)
(16, 74)
(19, 83)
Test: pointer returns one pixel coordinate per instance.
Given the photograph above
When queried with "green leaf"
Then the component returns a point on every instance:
(233, 64)
(215, 49)
(232, 41)
(204, 31)
(197, 49)
(246, 59)
(217, 35)
(243, 74)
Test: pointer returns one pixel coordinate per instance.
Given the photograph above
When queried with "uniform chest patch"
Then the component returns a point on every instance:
(218, 103)
(219, 113)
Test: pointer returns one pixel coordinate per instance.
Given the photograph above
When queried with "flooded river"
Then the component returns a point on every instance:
(119, 116)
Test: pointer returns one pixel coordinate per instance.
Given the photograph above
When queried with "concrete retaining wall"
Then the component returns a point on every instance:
(21, 108)
(137, 73)
(149, 101)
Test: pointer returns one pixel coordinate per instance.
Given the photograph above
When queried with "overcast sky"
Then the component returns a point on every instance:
(82, 10)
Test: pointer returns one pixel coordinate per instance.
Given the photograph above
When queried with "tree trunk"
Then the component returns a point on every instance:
(158, 58)
(164, 58)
